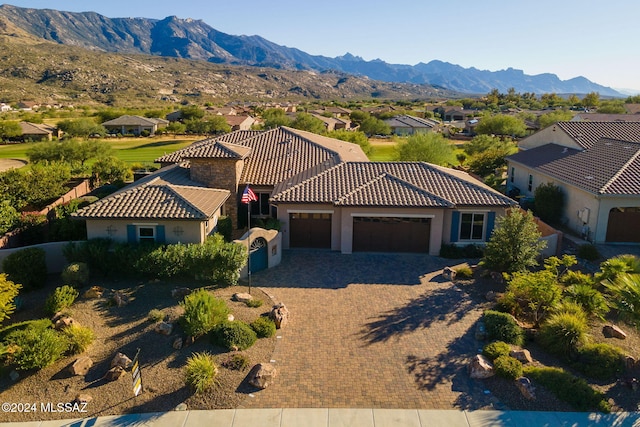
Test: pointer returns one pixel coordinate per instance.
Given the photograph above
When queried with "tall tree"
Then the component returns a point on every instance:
(426, 147)
(9, 129)
(275, 117)
(591, 100)
(502, 124)
(305, 121)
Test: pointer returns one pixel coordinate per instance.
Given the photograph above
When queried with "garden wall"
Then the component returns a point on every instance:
(53, 250)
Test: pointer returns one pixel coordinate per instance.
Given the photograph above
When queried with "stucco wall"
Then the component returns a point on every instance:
(446, 236)
(192, 231)
(551, 134)
(606, 204)
(53, 252)
(274, 246)
(283, 217)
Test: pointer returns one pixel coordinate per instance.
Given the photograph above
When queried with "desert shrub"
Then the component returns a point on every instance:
(533, 292)
(37, 324)
(225, 227)
(76, 274)
(600, 361)
(569, 388)
(60, 299)
(263, 327)
(508, 367)
(155, 315)
(79, 338)
(563, 333)
(452, 251)
(577, 278)
(503, 327)
(237, 362)
(8, 293)
(254, 303)
(27, 267)
(588, 252)
(624, 296)
(202, 311)
(613, 267)
(496, 349)
(236, 335)
(201, 371)
(591, 300)
(36, 348)
(464, 272)
(93, 252)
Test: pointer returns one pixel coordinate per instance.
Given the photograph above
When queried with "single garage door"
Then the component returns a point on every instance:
(624, 225)
(391, 234)
(310, 230)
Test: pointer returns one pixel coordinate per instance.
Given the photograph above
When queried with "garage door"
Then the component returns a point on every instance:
(391, 234)
(624, 225)
(310, 230)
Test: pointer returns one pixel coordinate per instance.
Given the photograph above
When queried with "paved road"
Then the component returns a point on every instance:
(370, 331)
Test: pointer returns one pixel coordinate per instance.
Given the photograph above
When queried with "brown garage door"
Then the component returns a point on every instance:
(391, 234)
(310, 230)
(624, 225)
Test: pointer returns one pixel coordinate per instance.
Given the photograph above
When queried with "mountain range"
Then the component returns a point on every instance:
(196, 40)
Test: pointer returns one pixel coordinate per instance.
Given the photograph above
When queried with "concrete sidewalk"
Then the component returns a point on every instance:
(344, 417)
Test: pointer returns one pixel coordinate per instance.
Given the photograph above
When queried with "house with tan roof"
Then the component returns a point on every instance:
(597, 165)
(237, 122)
(38, 131)
(410, 125)
(324, 191)
(135, 125)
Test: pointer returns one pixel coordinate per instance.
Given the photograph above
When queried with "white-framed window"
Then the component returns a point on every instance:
(472, 226)
(146, 233)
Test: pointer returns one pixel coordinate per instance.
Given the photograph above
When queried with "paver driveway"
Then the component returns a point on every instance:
(370, 331)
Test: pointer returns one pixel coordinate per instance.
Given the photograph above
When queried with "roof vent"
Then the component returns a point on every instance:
(578, 135)
(589, 177)
(564, 150)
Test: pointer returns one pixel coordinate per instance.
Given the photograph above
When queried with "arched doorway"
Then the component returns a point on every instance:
(258, 255)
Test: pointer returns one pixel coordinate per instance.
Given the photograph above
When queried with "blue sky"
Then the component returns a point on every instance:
(592, 38)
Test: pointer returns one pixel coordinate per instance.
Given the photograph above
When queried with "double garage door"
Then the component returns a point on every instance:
(370, 234)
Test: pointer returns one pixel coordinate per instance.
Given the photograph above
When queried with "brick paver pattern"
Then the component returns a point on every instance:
(370, 331)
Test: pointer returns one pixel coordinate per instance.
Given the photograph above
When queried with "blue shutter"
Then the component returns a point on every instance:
(455, 225)
(491, 220)
(160, 233)
(131, 233)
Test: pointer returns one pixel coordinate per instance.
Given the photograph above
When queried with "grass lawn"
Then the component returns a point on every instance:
(131, 150)
(383, 150)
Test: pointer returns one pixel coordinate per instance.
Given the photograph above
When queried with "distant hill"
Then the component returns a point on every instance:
(194, 39)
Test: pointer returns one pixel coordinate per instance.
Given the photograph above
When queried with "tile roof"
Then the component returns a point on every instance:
(410, 121)
(231, 137)
(218, 150)
(127, 120)
(167, 194)
(277, 154)
(608, 167)
(29, 128)
(390, 184)
(586, 134)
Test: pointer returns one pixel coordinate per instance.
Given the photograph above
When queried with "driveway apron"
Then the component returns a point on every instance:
(370, 331)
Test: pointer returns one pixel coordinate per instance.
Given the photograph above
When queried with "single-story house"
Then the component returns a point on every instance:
(239, 122)
(597, 165)
(38, 131)
(334, 123)
(409, 125)
(324, 191)
(134, 125)
(5, 107)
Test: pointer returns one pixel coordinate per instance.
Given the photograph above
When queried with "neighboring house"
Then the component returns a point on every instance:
(221, 111)
(334, 111)
(38, 131)
(598, 117)
(597, 164)
(166, 207)
(324, 191)
(410, 125)
(5, 107)
(333, 123)
(239, 122)
(28, 106)
(387, 207)
(135, 125)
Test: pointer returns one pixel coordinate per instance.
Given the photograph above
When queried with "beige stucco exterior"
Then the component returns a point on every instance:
(549, 135)
(274, 246)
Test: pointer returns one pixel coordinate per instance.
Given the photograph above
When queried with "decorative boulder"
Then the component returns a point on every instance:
(114, 373)
(280, 315)
(262, 375)
(177, 343)
(480, 367)
(164, 328)
(83, 398)
(63, 322)
(81, 366)
(448, 273)
(241, 297)
(612, 331)
(523, 355)
(526, 388)
(94, 292)
(122, 361)
(120, 299)
(180, 293)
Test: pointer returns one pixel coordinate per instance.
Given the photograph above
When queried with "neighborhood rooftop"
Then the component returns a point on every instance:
(587, 133)
(390, 184)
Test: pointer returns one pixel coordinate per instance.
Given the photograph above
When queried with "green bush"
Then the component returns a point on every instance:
(202, 312)
(507, 367)
(225, 227)
(464, 272)
(60, 299)
(236, 335)
(201, 372)
(569, 388)
(588, 252)
(263, 327)
(27, 267)
(93, 252)
(237, 362)
(36, 347)
(155, 315)
(8, 294)
(254, 303)
(549, 202)
(600, 361)
(496, 349)
(590, 299)
(577, 278)
(76, 274)
(563, 333)
(503, 327)
(37, 324)
(79, 338)
(452, 251)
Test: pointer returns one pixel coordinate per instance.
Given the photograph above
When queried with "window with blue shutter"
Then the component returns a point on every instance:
(132, 237)
(455, 225)
(491, 220)
(160, 234)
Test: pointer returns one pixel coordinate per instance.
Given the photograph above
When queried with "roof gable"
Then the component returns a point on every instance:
(587, 133)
